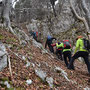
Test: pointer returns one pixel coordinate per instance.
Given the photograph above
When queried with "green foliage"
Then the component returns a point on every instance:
(4, 86)
(9, 40)
(41, 86)
(4, 79)
(10, 89)
(1, 37)
(19, 88)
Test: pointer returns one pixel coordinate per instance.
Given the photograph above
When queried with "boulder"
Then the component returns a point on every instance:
(3, 56)
(41, 74)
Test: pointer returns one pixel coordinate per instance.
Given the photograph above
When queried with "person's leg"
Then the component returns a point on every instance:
(69, 55)
(76, 55)
(57, 53)
(60, 54)
(85, 56)
(51, 48)
(65, 58)
(36, 38)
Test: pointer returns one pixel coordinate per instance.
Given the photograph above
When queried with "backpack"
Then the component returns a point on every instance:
(86, 44)
(67, 44)
(37, 34)
(34, 33)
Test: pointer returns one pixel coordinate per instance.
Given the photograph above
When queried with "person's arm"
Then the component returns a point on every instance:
(77, 46)
(53, 44)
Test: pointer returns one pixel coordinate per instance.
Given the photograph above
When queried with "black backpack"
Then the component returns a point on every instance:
(67, 45)
(86, 44)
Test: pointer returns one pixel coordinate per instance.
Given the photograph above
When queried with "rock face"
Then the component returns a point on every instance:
(49, 23)
(65, 19)
(3, 56)
(40, 17)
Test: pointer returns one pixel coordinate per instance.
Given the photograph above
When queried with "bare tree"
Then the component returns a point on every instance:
(5, 14)
(53, 4)
(86, 10)
(83, 19)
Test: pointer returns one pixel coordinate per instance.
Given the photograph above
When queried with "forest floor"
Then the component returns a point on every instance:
(21, 73)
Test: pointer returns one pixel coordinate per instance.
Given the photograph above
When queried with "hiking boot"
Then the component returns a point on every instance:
(71, 68)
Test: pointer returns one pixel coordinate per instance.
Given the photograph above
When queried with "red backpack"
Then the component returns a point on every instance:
(67, 44)
(37, 34)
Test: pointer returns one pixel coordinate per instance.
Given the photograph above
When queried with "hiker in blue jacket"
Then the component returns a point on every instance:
(49, 42)
(34, 34)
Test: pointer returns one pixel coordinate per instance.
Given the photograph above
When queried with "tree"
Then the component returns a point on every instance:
(53, 4)
(5, 13)
(87, 12)
(83, 19)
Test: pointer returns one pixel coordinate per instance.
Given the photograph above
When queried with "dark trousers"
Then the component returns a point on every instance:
(77, 55)
(67, 54)
(59, 54)
(51, 48)
(35, 37)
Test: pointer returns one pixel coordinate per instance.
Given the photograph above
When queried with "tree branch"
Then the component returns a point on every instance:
(87, 13)
(10, 66)
(80, 18)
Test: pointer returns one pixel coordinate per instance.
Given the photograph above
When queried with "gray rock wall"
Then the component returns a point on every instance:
(42, 19)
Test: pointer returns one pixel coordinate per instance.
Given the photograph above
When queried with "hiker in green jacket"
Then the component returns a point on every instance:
(66, 51)
(81, 53)
(58, 50)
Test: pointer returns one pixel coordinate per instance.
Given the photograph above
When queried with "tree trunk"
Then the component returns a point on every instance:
(7, 5)
(87, 13)
(80, 18)
(53, 4)
(54, 10)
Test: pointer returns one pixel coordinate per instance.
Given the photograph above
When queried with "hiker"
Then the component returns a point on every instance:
(66, 51)
(81, 53)
(49, 42)
(39, 38)
(34, 34)
(58, 50)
